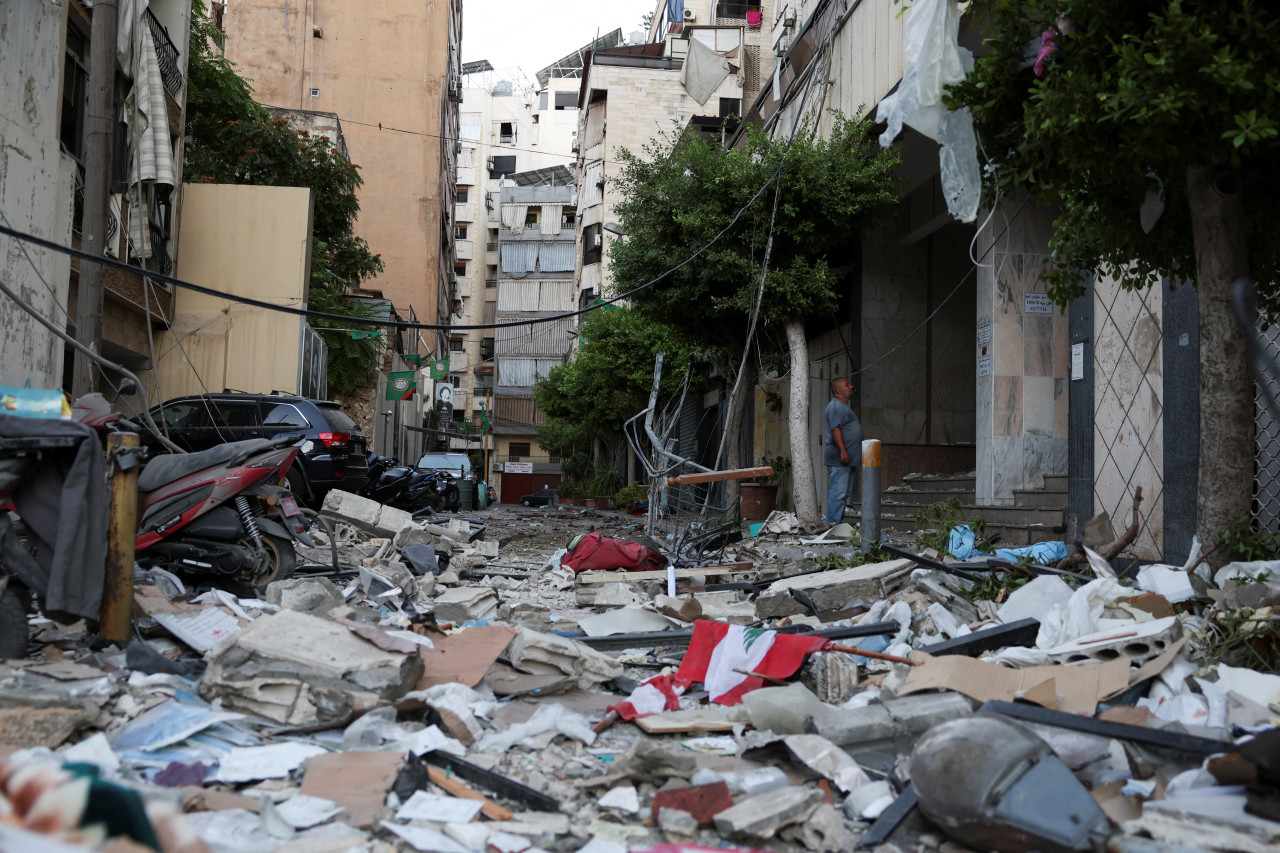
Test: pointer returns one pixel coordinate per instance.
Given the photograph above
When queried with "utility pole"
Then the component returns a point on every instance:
(99, 130)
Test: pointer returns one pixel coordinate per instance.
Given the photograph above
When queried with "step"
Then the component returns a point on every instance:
(947, 483)
(993, 515)
(1055, 483)
(925, 498)
(1039, 498)
(1011, 535)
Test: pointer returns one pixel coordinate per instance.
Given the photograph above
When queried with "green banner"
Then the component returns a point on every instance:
(401, 384)
(440, 368)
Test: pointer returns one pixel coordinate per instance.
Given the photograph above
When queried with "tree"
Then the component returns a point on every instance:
(1163, 102)
(231, 139)
(608, 381)
(685, 190)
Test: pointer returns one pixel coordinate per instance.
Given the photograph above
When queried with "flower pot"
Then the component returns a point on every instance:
(758, 500)
(605, 502)
(590, 503)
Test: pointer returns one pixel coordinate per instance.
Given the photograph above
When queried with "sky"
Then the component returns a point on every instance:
(531, 34)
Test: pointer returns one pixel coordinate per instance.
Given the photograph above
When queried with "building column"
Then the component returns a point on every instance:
(1023, 357)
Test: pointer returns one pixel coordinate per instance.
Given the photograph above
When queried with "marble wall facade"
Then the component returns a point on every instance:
(1022, 358)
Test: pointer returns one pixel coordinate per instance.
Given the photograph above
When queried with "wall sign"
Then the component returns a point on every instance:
(1036, 303)
(519, 468)
(1077, 361)
(984, 365)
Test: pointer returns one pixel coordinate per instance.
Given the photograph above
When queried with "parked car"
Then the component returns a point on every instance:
(542, 497)
(333, 449)
(456, 465)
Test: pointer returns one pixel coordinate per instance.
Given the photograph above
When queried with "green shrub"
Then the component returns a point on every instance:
(628, 496)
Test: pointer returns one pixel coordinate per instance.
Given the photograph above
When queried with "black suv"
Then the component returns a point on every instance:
(332, 454)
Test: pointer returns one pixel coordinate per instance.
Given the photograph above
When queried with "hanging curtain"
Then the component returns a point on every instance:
(518, 295)
(552, 218)
(513, 216)
(557, 295)
(519, 258)
(556, 257)
(154, 160)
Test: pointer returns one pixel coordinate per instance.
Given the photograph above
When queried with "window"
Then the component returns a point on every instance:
(285, 415)
(486, 349)
(188, 414)
(455, 379)
(730, 107)
(460, 269)
(506, 132)
(723, 39)
(591, 238)
(456, 345)
(505, 165)
(460, 232)
(461, 192)
(566, 218)
(519, 448)
(235, 414)
(542, 101)
(75, 86)
(566, 100)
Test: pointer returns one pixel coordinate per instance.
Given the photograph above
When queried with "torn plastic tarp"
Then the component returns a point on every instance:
(934, 59)
(703, 71)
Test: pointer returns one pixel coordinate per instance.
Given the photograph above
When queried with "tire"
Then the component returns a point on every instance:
(282, 560)
(451, 498)
(14, 632)
(526, 503)
(298, 485)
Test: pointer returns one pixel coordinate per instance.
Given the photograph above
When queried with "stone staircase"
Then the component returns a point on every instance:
(1037, 515)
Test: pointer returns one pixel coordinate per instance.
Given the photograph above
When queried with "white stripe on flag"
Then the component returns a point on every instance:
(741, 648)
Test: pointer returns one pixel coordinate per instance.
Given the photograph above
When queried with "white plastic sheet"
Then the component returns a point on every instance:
(934, 60)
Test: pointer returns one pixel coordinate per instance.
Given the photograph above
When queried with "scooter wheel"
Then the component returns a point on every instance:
(14, 632)
(281, 560)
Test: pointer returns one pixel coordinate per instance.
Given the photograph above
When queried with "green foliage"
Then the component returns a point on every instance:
(781, 465)
(607, 382)
(832, 561)
(681, 191)
(230, 139)
(604, 479)
(572, 489)
(629, 496)
(936, 520)
(993, 585)
(1135, 95)
(1244, 637)
(1246, 541)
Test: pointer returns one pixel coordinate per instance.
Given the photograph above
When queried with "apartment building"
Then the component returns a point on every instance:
(44, 89)
(700, 62)
(391, 71)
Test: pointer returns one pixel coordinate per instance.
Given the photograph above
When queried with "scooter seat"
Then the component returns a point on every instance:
(174, 466)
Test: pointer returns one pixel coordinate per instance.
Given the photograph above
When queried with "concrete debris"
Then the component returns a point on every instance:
(448, 686)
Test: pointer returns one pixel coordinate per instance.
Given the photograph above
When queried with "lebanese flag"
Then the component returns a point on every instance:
(658, 694)
(718, 648)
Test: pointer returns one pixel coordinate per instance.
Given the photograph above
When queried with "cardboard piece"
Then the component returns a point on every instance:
(1119, 806)
(1076, 689)
(357, 781)
(464, 657)
(507, 681)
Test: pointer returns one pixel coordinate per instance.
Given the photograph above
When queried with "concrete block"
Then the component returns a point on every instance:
(306, 594)
(703, 802)
(486, 547)
(414, 534)
(609, 595)
(916, 714)
(297, 669)
(369, 516)
(1139, 642)
(677, 823)
(534, 652)
(832, 590)
(764, 814)
(466, 603)
(394, 520)
(834, 674)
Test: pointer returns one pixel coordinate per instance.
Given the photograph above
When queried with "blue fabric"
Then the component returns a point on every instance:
(961, 545)
(837, 414)
(838, 483)
(1044, 553)
(961, 542)
(675, 11)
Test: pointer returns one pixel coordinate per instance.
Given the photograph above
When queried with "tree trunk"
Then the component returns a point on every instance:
(803, 489)
(1226, 387)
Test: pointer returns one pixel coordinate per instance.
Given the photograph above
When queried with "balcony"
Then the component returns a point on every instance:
(491, 247)
(490, 282)
(736, 11)
(166, 56)
(545, 460)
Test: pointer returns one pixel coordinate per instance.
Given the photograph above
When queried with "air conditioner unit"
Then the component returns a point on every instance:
(689, 16)
(789, 18)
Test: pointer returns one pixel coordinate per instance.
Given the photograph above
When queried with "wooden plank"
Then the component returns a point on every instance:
(721, 476)
(458, 788)
(623, 577)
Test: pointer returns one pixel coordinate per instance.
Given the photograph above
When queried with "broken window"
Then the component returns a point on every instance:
(566, 100)
(506, 132)
(591, 244)
(505, 165)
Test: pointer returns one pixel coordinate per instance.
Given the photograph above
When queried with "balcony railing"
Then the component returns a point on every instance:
(735, 10)
(491, 247)
(490, 282)
(548, 460)
(166, 55)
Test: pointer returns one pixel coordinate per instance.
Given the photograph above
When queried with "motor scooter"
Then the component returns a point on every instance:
(226, 511)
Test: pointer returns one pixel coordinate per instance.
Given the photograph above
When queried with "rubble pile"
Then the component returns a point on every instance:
(452, 687)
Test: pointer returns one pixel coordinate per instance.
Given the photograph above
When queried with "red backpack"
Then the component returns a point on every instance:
(597, 552)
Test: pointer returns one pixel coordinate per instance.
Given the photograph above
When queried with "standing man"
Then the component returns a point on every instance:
(843, 450)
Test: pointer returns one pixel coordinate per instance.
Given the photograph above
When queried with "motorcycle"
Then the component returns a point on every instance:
(400, 486)
(226, 511)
